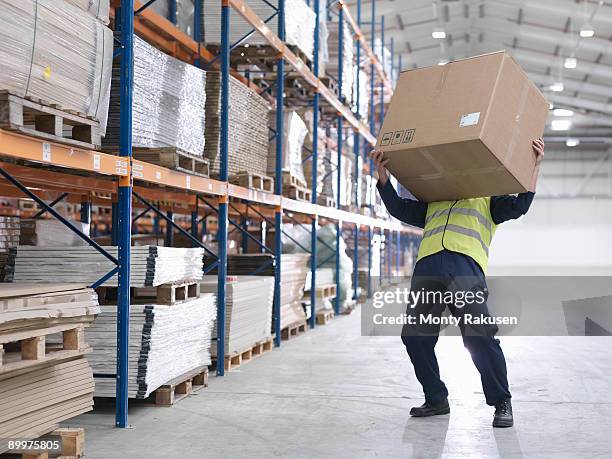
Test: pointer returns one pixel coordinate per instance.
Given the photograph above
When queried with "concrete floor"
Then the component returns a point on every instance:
(334, 393)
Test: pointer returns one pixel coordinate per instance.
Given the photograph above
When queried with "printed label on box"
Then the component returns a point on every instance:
(470, 119)
(397, 137)
(408, 136)
(386, 139)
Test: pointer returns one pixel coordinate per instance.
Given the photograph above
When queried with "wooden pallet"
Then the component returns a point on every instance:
(48, 122)
(290, 179)
(23, 349)
(174, 159)
(162, 294)
(327, 201)
(331, 84)
(324, 316)
(253, 181)
(238, 358)
(293, 330)
(326, 291)
(71, 442)
(298, 193)
(181, 387)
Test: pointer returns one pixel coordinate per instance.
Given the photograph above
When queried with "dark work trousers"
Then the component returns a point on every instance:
(449, 272)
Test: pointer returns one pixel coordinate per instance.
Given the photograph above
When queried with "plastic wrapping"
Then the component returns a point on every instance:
(299, 24)
(248, 133)
(55, 52)
(348, 59)
(384, 56)
(168, 104)
(294, 133)
(363, 91)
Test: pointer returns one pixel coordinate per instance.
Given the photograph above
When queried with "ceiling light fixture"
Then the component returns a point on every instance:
(570, 63)
(556, 87)
(571, 142)
(560, 125)
(438, 34)
(563, 112)
(587, 31)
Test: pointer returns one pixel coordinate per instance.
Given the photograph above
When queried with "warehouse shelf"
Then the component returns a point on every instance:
(366, 47)
(49, 171)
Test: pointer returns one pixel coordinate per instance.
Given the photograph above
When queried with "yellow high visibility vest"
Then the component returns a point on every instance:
(463, 226)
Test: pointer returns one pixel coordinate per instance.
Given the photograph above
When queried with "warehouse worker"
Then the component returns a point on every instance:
(453, 256)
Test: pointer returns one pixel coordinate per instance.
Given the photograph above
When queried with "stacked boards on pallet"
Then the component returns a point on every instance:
(299, 24)
(294, 269)
(169, 104)
(150, 265)
(294, 133)
(248, 135)
(43, 232)
(348, 64)
(58, 52)
(166, 341)
(44, 376)
(248, 311)
(10, 230)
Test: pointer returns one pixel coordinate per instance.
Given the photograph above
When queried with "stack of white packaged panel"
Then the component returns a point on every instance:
(348, 59)
(150, 265)
(166, 341)
(47, 232)
(59, 52)
(169, 103)
(299, 23)
(294, 133)
(44, 376)
(248, 311)
(248, 135)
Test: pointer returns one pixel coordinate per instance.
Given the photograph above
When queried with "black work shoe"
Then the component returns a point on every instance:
(427, 409)
(503, 414)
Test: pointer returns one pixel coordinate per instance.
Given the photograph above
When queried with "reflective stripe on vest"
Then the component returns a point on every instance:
(463, 226)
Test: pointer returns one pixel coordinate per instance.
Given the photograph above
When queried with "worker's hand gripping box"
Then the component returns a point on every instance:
(464, 129)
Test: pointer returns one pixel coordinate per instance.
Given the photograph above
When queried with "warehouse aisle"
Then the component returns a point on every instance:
(333, 393)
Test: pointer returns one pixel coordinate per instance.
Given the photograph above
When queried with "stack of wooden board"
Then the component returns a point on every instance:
(248, 311)
(9, 238)
(57, 52)
(169, 104)
(44, 376)
(166, 341)
(294, 269)
(150, 265)
(248, 135)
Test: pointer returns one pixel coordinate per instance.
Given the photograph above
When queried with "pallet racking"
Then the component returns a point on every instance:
(126, 185)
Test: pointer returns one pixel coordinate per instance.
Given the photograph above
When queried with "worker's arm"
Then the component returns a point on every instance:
(406, 210)
(504, 208)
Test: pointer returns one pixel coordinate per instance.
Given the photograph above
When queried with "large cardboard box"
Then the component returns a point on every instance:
(464, 129)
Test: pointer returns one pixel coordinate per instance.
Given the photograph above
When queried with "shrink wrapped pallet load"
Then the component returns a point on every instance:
(294, 133)
(248, 311)
(10, 230)
(150, 265)
(168, 103)
(184, 13)
(299, 24)
(248, 133)
(44, 376)
(361, 93)
(166, 341)
(57, 53)
(348, 63)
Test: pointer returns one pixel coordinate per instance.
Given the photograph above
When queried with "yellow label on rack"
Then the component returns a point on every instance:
(47, 72)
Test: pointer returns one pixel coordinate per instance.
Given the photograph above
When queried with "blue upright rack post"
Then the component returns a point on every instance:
(339, 156)
(373, 130)
(382, 83)
(356, 147)
(278, 183)
(315, 156)
(172, 11)
(124, 206)
(223, 200)
(168, 237)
